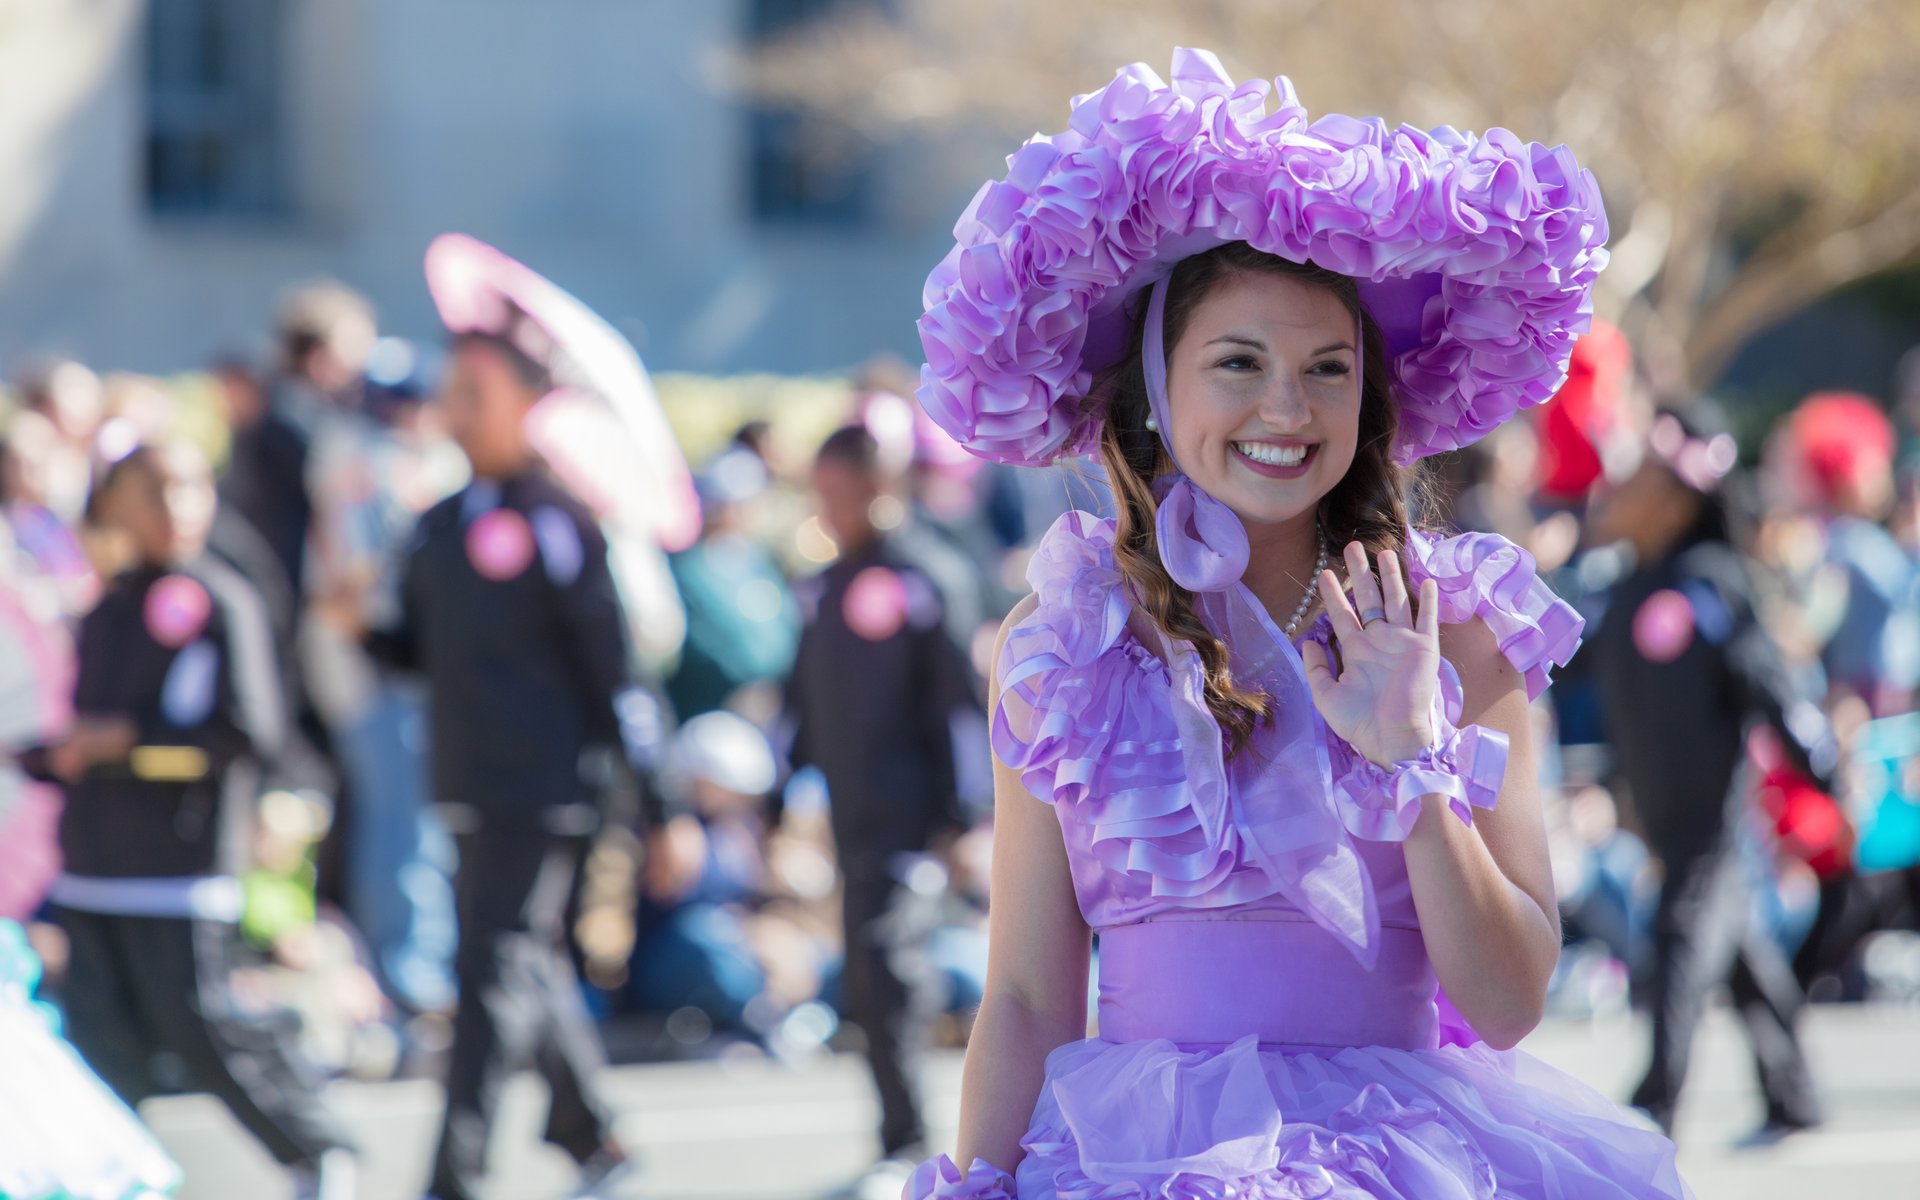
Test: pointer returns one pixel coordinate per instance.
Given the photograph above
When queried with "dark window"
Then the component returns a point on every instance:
(806, 166)
(213, 111)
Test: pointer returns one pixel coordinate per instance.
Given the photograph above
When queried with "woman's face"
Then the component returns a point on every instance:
(1264, 395)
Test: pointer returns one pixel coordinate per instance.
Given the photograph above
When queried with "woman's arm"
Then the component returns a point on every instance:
(1038, 945)
(1485, 893)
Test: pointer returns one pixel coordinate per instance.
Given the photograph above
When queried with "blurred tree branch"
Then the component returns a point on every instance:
(1756, 155)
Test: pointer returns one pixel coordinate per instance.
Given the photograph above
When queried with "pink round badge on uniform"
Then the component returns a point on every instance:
(177, 610)
(1663, 626)
(876, 604)
(500, 544)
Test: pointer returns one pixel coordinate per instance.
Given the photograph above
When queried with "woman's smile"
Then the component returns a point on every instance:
(1277, 459)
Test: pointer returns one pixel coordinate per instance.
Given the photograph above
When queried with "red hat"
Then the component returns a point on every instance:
(1839, 437)
(1577, 420)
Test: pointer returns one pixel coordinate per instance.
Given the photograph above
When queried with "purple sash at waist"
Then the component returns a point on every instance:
(1285, 981)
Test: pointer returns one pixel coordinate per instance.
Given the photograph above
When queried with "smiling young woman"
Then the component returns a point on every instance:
(1290, 836)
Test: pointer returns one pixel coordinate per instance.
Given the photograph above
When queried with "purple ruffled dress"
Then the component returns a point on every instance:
(1269, 1025)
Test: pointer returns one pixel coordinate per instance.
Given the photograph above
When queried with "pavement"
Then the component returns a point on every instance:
(747, 1129)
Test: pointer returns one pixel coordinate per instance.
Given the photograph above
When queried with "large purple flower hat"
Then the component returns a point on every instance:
(1476, 256)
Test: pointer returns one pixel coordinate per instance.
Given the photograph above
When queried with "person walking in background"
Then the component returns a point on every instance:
(508, 611)
(1685, 672)
(375, 467)
(175, 704)
(877, 683)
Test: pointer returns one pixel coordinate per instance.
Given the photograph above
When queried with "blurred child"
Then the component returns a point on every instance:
(175, 704)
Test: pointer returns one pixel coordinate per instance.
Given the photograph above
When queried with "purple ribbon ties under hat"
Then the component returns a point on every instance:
(1202, 542)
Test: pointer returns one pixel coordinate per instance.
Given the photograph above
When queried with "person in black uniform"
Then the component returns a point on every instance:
(510, 613)
(876, 685)
(176, 702)
(1685, 670)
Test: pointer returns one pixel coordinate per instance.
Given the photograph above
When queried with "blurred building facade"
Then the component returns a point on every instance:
(167, 166)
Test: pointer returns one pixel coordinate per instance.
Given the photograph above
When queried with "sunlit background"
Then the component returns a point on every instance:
(753, 192)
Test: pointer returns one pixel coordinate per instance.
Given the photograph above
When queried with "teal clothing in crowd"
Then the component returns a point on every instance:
(742, 623)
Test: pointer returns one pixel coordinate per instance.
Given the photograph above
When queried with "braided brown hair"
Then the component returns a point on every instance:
(1368, 505)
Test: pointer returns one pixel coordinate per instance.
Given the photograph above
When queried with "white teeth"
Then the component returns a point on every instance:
(1273, 456)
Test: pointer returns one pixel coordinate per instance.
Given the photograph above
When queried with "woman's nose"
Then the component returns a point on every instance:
(1284, 406)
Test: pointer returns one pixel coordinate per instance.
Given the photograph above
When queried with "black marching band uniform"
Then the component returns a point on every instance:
(873, 710)
(1678, 720)
(510, 612)
(150, 896)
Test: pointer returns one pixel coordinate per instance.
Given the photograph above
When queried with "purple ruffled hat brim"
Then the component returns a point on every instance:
(1476, 255)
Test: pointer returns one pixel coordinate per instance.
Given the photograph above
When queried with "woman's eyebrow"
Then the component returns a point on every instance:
(1240, 339)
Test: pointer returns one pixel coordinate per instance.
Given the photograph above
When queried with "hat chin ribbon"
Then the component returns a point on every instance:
(1202, 542)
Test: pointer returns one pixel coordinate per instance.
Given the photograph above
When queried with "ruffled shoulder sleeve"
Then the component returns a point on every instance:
(1484, 575)
(1049, 666)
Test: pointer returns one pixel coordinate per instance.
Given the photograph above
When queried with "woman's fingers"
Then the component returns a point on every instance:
(1346, 624)
(1319, 665)
(1429, 620)
(1393, 590)
(1366, 589)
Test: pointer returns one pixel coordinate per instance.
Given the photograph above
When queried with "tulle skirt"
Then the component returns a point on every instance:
(1148, 1120)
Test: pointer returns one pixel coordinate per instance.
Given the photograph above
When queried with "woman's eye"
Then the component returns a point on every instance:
(1331, 369)
(1238, 362)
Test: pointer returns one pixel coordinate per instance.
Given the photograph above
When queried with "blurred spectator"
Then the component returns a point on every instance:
(1494, 489)
(901, 431)
(1582, 426)
(756, 438)
(742, 624)
(28, 459)
(1685, 669)
(1837, 452)
(325, 331)
(241, 403)
(877, 682)
(71, 398)
(174, 706)
(1906, 412)
(36, 690)
(715, 937)
(374, 469)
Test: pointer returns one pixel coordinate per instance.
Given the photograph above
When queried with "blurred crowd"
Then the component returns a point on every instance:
(820, 879)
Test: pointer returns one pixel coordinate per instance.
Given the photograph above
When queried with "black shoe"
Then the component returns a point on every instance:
(1772, 1133)
(609, 1175)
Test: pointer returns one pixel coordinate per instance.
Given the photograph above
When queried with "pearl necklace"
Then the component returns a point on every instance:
(1306, 601)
